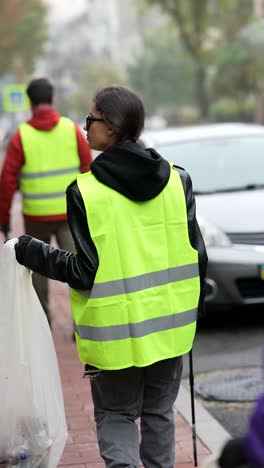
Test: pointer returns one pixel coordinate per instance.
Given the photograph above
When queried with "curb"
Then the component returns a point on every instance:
(208, 429)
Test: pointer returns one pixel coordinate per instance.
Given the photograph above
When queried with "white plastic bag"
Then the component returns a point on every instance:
(33, 429)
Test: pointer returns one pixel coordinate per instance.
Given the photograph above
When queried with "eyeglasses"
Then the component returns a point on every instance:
(90, 119)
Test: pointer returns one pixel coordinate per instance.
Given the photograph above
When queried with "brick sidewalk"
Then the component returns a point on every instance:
(81, 450)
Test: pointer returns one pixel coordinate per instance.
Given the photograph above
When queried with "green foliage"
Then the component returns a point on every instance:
(162, 74)
(204, 26)
(23, 32)
(191, 18)
(237, 71)
(183, 115)
(230, 16)
(232, 53)
(95, 75)
(231, 110)
(198, 21)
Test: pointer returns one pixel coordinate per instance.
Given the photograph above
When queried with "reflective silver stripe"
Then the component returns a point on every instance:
(85, 293)
(146, 281)
(35, 175)
(136, 330)
(40, 196)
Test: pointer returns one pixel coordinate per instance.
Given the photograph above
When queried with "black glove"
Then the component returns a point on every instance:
(5, 229)
(232, 455)
(21, 247)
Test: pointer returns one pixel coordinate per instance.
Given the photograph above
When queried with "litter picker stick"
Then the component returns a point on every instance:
(191, 380)
(6, 232)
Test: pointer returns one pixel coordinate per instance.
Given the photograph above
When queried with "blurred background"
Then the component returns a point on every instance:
(191, 61)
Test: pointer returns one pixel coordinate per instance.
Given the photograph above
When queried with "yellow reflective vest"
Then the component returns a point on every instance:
(51, 162)
(142, 307)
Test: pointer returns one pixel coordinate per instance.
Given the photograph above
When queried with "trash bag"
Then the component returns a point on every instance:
(33, 429)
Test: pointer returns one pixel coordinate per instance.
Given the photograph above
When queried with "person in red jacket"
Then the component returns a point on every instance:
(26, 151)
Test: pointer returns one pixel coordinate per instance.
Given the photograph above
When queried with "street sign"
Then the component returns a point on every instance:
(15, 98)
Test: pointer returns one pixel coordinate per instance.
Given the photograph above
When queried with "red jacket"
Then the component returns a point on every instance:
(44, 118)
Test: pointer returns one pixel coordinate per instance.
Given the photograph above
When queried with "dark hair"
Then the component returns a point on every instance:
(122, 110)
(40, 91)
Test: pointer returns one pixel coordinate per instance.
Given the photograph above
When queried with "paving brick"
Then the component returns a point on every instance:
(86, 437)
(72, 466)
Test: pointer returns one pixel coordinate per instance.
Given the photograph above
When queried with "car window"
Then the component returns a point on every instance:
(219, 164)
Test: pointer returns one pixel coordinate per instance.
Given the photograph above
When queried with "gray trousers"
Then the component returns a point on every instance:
(44, 231)
(120, 397)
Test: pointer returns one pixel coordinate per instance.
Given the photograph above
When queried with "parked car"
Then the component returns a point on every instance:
(226, 164)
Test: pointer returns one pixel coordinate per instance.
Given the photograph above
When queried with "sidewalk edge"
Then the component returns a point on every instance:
(208, 429)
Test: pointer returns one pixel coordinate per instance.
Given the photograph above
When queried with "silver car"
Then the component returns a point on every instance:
(226, 164)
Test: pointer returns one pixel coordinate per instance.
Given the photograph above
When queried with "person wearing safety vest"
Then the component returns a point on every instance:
(42, 157)
(137, 281)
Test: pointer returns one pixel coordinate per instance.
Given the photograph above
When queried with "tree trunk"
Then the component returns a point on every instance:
(259, 8)
(201, 91)
(260, 108)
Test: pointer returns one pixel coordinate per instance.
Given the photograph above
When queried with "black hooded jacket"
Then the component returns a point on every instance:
(139, 174)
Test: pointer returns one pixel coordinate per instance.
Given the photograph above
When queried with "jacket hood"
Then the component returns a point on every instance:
(44, 118)
(137, 173)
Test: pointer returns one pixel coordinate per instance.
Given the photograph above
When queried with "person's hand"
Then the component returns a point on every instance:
(5, 229)
(21, 247)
